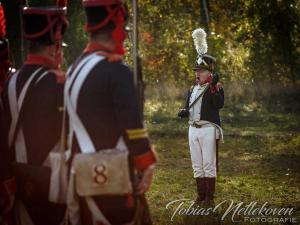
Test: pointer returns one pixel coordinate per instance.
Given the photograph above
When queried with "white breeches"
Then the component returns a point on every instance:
(202, 143)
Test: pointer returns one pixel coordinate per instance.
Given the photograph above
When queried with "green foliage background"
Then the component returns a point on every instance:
(256, 43)
(252, 40)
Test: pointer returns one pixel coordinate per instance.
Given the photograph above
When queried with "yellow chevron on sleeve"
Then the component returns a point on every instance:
(138, 136)
(136, 133)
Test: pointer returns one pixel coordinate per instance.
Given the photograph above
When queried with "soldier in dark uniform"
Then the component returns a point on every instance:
(38, 127)
(7, 181)
(107, 106)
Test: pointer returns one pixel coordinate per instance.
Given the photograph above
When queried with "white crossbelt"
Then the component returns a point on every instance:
(71, 75)
(85, 143)
(15, 105)
(76, 127)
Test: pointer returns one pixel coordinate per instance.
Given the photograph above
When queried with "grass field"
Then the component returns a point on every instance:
(259, 161)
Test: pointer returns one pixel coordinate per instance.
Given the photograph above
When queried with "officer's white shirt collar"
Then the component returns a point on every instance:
(200, 87)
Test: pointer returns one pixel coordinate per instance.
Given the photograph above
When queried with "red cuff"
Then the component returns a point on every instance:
(145, 160)
(8, 187)
(212, 89)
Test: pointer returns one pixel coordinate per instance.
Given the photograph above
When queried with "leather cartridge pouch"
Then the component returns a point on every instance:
(105, 172)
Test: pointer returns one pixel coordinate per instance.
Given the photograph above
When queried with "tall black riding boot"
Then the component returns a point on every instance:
(210, 190)
(201, 189)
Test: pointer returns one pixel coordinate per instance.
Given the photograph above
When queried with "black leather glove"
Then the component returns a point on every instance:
(183, 113)
(215, 79)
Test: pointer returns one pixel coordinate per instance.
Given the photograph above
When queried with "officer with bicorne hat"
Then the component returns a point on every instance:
(204, 101)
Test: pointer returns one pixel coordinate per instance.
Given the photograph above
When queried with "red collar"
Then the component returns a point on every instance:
(106, 51)
(40, 60)
(93, 47)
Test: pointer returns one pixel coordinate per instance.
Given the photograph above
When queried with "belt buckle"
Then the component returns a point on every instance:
(197, 126)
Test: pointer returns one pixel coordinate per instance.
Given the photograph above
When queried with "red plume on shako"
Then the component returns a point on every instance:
(5, 64)
(2, 23)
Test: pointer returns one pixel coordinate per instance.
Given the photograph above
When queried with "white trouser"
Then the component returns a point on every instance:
(202, 143)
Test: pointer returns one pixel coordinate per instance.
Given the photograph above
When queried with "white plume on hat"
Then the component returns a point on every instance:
(199, 36)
